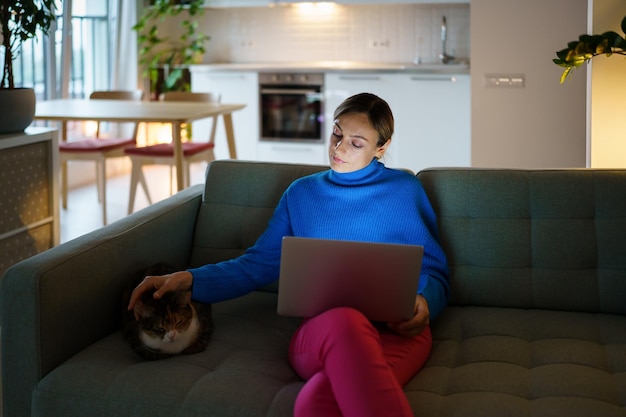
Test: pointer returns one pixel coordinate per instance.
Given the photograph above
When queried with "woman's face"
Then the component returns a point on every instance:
(353, 143)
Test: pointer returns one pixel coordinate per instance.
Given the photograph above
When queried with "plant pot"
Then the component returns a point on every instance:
(18, 109)
(159, 76)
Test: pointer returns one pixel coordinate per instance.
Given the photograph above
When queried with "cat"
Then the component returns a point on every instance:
(172, 325)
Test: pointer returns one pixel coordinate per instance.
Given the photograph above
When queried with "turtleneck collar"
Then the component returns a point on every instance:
(361, 176)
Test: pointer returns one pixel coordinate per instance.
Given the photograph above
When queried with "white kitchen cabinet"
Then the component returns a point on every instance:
(241, 87)
(432, 114)
(339, 86)
(293, 153)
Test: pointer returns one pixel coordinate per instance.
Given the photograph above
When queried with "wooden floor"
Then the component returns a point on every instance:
(84, 212)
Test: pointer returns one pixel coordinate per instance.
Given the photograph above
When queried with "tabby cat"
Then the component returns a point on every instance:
(171, 325)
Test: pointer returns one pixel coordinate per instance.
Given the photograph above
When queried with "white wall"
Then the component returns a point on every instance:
(607, 91)
(374, 33)
(540, 125)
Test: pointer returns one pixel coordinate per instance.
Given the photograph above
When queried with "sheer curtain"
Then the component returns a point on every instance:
(125, 74)
(91, 46)
(98, 48)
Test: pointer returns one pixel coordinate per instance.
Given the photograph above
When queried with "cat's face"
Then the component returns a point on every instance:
(164, 320)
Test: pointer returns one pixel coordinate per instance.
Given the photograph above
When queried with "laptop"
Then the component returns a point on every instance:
(378, 279)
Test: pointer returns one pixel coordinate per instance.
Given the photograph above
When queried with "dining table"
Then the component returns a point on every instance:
(123, 111)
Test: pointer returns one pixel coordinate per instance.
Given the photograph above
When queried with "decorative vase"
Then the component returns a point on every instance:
(18, 109)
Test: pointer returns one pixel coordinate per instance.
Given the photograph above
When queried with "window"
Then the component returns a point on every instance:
(78, 63)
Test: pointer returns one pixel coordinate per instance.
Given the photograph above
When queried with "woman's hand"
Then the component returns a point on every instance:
(162, 284)
(420, 320)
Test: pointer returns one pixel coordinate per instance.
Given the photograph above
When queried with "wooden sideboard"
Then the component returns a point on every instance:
(29, 197)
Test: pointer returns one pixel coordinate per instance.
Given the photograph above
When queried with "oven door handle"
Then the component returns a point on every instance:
(288, 92)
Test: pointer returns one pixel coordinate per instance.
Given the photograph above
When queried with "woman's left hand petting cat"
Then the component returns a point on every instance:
(159, 285)
(168, 323)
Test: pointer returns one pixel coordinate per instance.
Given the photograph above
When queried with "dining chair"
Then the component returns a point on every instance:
(99, 148)
(163, 153)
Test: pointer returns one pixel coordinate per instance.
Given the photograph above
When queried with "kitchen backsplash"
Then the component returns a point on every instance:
(371, 33)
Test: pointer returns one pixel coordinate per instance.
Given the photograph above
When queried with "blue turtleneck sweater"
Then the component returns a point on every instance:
(374, 204)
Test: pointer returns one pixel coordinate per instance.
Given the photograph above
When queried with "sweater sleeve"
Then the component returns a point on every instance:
(434, 276)
(258, 266)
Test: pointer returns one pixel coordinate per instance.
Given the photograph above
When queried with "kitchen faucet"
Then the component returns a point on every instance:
(443, 56)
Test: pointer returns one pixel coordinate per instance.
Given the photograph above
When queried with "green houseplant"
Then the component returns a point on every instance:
(20, 20)
(589, 46)
(165, 59)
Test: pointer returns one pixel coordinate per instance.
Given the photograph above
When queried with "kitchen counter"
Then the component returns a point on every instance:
(461, 67)
(429, 95)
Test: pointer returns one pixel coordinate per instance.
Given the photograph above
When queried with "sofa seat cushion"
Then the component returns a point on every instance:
(516, 362)
(485, 362)
(243, 372)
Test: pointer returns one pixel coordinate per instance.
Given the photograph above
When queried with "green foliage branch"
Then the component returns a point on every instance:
(589, 46)
(156, 51)
(21, 20)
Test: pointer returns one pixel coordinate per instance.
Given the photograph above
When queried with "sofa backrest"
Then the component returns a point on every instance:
(239, 199)
(548, 239)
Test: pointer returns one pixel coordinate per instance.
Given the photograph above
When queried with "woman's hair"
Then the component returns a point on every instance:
(376, 109)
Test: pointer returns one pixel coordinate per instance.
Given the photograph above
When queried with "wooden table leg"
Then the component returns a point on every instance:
(230, 134)
(178, 155)
(64, 180)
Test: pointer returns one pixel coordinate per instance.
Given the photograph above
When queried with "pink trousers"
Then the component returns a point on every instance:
(353, 368)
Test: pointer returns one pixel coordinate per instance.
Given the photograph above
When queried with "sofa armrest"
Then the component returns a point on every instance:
(55, 304)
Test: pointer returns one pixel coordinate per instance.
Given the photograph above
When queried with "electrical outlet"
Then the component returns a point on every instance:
(247, 43)
(505, 80)
(378, 43)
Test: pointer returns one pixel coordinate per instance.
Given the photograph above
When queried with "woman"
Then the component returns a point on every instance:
(352, 367)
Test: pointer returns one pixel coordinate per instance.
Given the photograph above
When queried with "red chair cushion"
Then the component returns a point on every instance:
(167, 149)
(95, 145)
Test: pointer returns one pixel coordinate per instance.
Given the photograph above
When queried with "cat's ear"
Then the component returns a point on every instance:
(187, 297)
(142, 311)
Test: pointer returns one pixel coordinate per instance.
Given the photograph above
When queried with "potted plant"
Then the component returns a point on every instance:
(165, 60)
(588, 46)
(20, 20)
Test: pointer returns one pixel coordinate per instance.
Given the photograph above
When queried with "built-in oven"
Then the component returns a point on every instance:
(291, 107)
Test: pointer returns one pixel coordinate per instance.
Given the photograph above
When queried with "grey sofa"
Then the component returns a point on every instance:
(536, 324)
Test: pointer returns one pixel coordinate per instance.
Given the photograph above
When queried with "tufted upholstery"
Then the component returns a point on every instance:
(536, 324)
(238, 202)
(490, 361)
(235, 376)
(548, 239)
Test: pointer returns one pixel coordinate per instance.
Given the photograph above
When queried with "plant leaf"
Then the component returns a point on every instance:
(565, 74)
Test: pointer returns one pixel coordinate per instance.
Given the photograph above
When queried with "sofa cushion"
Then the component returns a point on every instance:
(485, 362)
(243, 372)
(238, 201)
(514, 362)
(547, 239)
